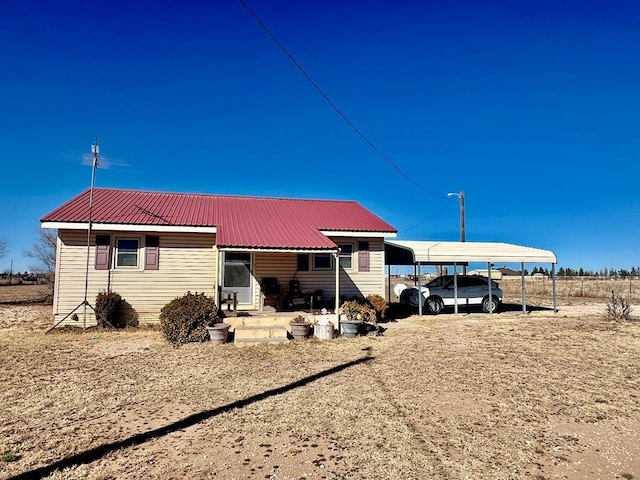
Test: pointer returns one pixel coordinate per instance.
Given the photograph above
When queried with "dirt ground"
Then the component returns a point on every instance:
(509, 396)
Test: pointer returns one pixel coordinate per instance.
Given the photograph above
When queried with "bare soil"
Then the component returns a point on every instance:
(509, 396)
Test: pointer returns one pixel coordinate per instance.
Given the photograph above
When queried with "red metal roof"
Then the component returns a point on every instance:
(257, 222)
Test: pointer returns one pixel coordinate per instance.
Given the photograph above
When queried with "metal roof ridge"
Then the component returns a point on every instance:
(218, 195)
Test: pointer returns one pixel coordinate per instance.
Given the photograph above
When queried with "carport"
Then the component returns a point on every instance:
(418, 253)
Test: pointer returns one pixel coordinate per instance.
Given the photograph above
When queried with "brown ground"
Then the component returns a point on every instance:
(536, 396)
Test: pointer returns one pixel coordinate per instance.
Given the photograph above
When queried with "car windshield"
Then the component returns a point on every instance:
(438, 282)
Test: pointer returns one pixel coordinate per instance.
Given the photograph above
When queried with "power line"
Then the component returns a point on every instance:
(334, 106)
(429, 218)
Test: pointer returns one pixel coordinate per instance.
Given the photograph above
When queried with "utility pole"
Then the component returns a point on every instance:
(463, 237)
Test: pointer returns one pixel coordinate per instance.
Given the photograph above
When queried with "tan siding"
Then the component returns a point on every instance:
(353, 282)
(187, 263)
(279, 265)
(283, 267)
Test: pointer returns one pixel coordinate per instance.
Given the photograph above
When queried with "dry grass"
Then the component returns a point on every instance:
(477, 396)
(13, 294)
(572, 290)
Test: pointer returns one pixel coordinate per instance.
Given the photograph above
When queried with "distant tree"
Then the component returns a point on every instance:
(634, 272)
(604, 272)
(44, 250)
(526, 272)
(581, 272)
(561, 272)
(624, 273)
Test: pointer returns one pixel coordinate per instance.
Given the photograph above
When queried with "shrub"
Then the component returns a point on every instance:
(107, 305)
(618, 308)
(185, 318)
(379, 304)
(358, 310)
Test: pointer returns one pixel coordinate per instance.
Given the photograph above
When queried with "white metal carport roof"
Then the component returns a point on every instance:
(460, 253)
(399, 252)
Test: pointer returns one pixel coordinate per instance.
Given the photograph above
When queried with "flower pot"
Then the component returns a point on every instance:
(350, 328)
(218, 333)
(300, 330)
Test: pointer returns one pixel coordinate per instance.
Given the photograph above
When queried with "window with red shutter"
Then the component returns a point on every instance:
(152, 253)
(363, 257)
(103, 252)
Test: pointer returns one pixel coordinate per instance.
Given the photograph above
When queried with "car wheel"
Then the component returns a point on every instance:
(434, 305)
(490, 306)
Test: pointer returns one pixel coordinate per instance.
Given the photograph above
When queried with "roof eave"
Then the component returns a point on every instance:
(128, 227)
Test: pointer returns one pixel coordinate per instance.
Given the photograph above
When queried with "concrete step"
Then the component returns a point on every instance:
(243, 332)
(266, 321)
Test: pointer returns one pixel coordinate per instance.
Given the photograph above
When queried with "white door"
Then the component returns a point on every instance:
(237, 276)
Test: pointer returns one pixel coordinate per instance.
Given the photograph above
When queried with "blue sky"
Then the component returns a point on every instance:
(531, 108)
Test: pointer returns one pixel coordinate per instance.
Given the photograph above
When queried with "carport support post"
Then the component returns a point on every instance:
(455, 288)
(523, 289)
(553, 287)
(419, 291)
(490, 295)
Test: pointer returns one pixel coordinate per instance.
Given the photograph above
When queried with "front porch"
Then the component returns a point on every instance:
(261, 327)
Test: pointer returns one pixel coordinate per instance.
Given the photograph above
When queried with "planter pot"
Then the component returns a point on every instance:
(218, 333)
(350, 328)
(299, 330)
(323, 332)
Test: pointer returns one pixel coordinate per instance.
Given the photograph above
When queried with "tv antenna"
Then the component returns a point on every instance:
(95, 156)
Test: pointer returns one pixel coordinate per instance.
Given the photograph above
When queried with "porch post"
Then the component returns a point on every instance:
(336, 262)
(218, 291)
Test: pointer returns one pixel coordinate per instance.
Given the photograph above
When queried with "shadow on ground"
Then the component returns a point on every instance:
(98, 452)
(398, 312)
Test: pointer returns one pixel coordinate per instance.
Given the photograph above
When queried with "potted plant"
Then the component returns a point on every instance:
(356, 313)
(299, 327)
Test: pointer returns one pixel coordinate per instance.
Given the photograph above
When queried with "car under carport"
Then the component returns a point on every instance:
(420, 253)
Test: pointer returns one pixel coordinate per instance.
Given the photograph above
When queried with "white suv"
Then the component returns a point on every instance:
(439, 293)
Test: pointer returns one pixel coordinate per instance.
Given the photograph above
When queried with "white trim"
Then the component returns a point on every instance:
(274, 250)
(138, 265)
(331, 261)
(350, 255)
(348, 233)
(129, 228)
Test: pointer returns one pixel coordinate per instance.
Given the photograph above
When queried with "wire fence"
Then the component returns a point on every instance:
(574, 287)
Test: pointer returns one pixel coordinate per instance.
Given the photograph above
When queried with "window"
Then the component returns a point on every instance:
(346, 255)
(322, 261)
(127, 252)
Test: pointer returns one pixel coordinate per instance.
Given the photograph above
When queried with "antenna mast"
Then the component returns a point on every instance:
(95, 150)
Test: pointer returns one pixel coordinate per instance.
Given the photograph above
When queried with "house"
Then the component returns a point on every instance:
(151, 247)
(496, 274)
